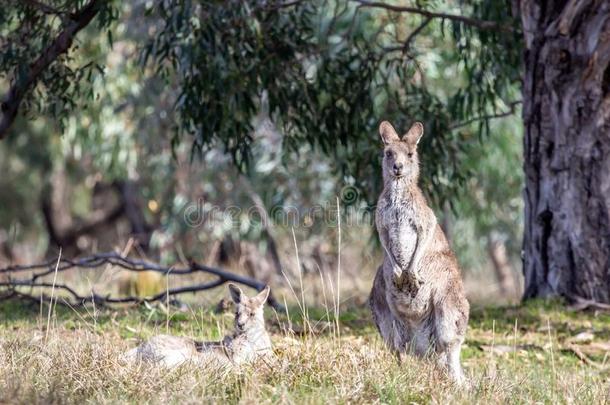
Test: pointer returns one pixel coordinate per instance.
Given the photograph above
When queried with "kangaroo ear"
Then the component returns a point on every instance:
(236, 293)
(388, 133)
(262, 296)
(414, 134)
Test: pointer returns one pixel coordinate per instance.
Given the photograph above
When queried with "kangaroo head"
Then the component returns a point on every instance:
(400, 160)
(248, 310)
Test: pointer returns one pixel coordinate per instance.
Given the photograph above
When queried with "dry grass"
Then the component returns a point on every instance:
(507, 363)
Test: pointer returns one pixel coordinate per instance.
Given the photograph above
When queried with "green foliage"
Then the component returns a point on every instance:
(28, 30)
(492, 206)
(330, 72)
(325, 72)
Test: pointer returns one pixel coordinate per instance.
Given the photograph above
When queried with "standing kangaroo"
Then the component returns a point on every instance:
(248, 343)
(417, 299)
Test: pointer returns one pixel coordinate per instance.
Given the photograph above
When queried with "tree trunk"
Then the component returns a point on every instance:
(141, 231)
(566, 113)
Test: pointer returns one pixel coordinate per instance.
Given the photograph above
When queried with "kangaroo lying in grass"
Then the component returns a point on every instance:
(417, 300)
(248, 343)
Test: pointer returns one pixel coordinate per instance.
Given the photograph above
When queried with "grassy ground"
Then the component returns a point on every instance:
(535, 353)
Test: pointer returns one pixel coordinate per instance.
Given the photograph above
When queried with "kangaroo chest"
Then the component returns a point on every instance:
(243, 350)
(398, 217)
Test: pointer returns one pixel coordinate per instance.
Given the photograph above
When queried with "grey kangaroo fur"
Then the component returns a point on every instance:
(417, 299)
(248, 343)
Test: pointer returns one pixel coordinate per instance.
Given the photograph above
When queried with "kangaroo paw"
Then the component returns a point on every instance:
(397, 272)
(413, 283)
(407, 281)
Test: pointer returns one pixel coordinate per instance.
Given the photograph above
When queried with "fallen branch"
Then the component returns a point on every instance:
(93, 262)
(583, 357)
(581, 304)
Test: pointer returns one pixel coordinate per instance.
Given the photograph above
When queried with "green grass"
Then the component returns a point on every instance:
(512, 355)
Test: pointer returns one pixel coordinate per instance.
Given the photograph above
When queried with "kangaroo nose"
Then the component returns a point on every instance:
(397, 168)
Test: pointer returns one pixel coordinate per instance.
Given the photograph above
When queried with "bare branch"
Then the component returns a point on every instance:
(102, 259)
(583, 357)
(61, 44)
(511, 111)
(279, 5)
(415, 32)
(480, 24)
(404, 48)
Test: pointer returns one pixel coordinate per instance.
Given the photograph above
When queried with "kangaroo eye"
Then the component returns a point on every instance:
(251, 313)
(410, 154)
(388, 154)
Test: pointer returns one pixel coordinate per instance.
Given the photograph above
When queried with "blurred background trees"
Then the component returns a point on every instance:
(164, 109)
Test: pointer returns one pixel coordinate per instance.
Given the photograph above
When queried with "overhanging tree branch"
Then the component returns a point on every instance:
(480, 24)
(512, 108)
(61, 44)
(404, 48)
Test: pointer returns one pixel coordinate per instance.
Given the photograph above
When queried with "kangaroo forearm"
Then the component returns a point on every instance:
(396, 267)
(425, 236)
(389, 255)
(384, 238)
(414, 263)
(400, 255)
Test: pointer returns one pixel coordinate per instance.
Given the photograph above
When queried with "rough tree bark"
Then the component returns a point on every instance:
(566, 113)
